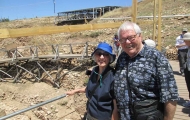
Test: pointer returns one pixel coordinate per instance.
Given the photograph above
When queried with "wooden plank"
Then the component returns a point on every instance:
(146, 22)
(42, 57)
(21, 32)
(181, 113)
(6, 33)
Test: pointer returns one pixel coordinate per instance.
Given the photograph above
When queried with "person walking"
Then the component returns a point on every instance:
(116, 44)
(144, 85)
(101, 103)
(182, 50)
(186, 39)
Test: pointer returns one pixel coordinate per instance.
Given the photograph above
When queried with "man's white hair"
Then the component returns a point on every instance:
(129, 26)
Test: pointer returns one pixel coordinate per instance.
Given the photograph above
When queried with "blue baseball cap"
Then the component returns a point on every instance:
(107, 48)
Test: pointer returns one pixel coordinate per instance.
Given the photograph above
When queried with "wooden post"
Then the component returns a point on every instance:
(159, 23)
(100, 12)
(154, 21)
(71, 50)
(86, 49)
(134, 11)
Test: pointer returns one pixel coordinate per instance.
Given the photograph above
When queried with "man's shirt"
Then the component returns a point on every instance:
(150, 76)
(180, 41)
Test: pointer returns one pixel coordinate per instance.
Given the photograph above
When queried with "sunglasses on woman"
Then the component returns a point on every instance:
(99, 53)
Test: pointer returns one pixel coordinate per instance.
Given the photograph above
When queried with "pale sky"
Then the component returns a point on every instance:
(19, 9)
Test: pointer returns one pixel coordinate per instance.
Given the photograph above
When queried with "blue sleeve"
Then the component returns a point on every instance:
(166, 80)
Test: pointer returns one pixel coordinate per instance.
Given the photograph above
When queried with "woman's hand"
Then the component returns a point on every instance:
(72, 92)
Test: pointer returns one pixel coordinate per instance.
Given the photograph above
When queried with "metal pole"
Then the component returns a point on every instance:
(159, 23)
(54, 11)
(6, 74)
(139, 17)
(31, 107)
(45, 71)
(54, 6)
(28, 72)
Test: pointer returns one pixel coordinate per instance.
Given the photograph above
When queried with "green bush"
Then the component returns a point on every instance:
(4, 20)
(73, 35)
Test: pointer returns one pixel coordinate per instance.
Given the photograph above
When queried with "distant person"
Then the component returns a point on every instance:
(116, 44)
(150, 43)
(101, 103)
(182, 50)
(186, 39)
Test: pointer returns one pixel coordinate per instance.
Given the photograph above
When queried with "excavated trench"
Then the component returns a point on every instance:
(50, 69)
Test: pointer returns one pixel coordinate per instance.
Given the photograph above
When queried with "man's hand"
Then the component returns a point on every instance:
(181, 45)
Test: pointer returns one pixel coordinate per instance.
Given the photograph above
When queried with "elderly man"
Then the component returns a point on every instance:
(144, 86)
(186, 39)
(182, 50)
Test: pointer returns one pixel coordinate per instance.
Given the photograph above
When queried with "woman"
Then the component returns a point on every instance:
(186, 39)
(101, 103)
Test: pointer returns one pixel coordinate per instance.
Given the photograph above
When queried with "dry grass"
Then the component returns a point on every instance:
(26, 23)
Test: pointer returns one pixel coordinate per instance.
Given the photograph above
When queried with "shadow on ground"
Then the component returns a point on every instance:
(184, 110)
(181, 101)
(177, 73)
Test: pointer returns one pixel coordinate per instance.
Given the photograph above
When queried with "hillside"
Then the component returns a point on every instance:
(171, 27)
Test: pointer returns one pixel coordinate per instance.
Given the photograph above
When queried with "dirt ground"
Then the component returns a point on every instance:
(18, 96)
